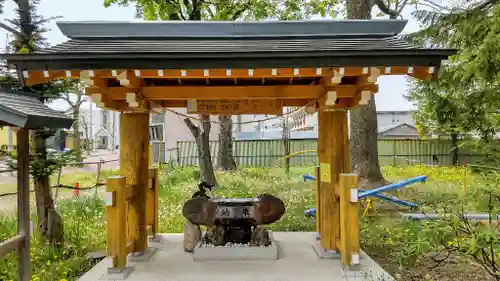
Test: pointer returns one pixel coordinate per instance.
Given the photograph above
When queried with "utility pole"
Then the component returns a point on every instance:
(90, 126)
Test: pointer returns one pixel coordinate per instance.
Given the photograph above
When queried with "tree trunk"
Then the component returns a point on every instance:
(202, 139)
(363, 122)
(454, 149)
(225, 159)
(76, 134)
(49, 221)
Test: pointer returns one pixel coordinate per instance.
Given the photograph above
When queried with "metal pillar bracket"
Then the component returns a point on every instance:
(354, 195)
(109, 199)
(355, 259)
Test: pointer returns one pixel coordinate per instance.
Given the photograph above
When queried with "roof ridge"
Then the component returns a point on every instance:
(231, 29)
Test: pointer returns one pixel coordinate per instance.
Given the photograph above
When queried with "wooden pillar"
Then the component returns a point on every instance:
(318, 197)
(333, 154)
(349, 220)
(134, 154)
(117, 222)
(23, 204)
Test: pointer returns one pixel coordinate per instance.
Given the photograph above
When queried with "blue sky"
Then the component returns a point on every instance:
(391, 89)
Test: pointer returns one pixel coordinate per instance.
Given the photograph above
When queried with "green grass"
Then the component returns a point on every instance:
(402, 246)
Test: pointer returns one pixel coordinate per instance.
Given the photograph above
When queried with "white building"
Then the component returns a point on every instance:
(391, 124)
(100, 126)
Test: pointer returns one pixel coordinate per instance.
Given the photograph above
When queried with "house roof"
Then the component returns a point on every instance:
(381, 112)
(24, 110)
(387, 129)
(203, 45)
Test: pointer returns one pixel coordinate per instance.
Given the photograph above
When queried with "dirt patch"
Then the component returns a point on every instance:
(452, 269)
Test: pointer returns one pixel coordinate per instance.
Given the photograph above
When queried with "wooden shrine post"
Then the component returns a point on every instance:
(134, 154)
(333, 154)
(23, 204)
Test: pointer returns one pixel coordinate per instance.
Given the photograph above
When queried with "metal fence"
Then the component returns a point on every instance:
(266, 153)
(158, 151)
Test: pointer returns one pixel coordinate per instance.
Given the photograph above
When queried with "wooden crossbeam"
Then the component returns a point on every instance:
(156, 93)
(33, 77)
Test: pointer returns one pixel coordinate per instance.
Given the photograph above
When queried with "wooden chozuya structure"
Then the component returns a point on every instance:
(231, 68)
(23, 111)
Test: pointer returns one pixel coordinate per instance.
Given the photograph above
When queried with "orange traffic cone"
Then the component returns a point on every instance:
(76, 191)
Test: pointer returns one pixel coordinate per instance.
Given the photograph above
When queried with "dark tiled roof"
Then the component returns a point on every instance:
(108, 46)
(26, 111)
(227, 46)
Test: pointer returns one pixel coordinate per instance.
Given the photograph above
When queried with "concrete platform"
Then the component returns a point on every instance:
(237, 253)
(297, 261)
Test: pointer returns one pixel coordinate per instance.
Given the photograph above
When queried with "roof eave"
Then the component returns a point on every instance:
(35, 122)
(70, 61)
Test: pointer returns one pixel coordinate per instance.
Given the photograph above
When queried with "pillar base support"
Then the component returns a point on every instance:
(117, 274)
(324, 253)
(143, 257)
(356, 273)
(155, 239)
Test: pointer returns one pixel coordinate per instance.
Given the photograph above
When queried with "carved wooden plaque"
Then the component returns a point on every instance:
(235, 107)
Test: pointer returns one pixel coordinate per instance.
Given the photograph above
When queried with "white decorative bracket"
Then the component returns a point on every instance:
(337, 76)
(122, 78)
(365, 97)
(374, 74)
(131, 99)
(86, 77)
(97, 99)
(331, 98)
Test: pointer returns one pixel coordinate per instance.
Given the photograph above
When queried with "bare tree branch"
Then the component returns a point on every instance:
(10, 29)
(433, 5)
(192, 127)
(66, 97)
(385, 9)
(205, 123)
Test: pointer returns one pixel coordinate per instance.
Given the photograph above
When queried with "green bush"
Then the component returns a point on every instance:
(84, 232)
